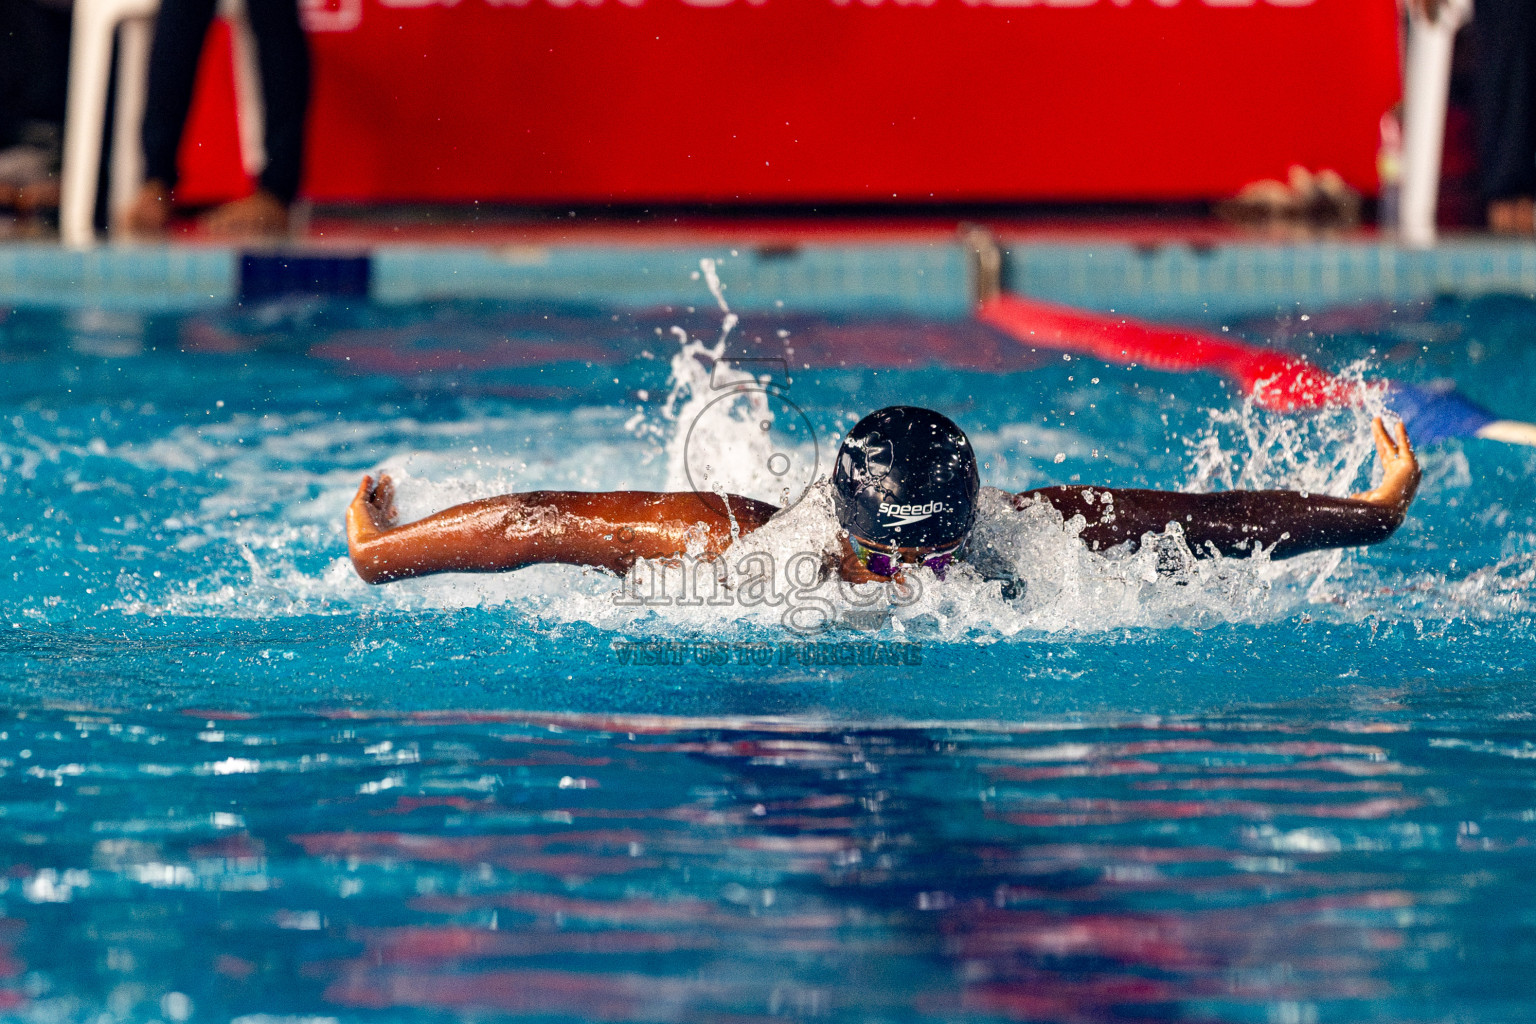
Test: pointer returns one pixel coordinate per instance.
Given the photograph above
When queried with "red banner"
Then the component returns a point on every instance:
(597, 101)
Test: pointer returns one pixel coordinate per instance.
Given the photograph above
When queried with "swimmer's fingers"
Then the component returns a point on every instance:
(1386, 451)
(384, 494)
(1394, 447)
(359, 515)
(382, 501)
(1399, 468)
(374, 502)
(1409, 462)
(1399, 471)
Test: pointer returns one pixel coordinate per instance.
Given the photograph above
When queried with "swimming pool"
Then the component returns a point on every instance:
(239, 783)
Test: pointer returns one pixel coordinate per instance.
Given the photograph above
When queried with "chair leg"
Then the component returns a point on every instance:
(132, 90)
(1425, 95)
(90, 56)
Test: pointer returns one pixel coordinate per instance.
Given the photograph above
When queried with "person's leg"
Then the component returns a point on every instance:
(180, 29)
(47, 63)
(282, 53)
(1504, 31)
(34, 64)
(1522, 210)
(15, 52)
(282, 57)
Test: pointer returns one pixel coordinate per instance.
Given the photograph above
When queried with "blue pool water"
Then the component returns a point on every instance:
(238, 784)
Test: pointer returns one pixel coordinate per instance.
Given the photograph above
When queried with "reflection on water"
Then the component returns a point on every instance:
(173, 490)
(186, 867)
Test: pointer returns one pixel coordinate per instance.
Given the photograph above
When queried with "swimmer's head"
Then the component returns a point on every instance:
(906, 478)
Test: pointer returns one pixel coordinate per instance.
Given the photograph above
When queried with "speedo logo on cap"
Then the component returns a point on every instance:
(906, 515)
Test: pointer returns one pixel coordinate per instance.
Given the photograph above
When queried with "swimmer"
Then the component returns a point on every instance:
(905, 489)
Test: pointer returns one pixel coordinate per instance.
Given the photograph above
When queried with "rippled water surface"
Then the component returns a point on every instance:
(235, 782)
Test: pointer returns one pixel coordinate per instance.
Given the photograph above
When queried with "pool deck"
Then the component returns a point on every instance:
(889, 265)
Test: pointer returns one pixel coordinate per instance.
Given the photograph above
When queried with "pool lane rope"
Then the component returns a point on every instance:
(1275, 380)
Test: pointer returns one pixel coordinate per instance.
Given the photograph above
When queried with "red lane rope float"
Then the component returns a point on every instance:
(1276, 380)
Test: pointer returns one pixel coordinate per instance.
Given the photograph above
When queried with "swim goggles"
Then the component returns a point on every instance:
(887, 562)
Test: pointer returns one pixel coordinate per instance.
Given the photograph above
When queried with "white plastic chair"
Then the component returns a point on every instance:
(90, 57)
(1426, 89)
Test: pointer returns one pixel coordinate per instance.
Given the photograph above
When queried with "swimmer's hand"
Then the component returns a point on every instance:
(372, 510)
(1400, 472)
(370, 516)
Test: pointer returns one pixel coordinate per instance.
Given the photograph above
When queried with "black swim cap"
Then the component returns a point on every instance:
(906, 477)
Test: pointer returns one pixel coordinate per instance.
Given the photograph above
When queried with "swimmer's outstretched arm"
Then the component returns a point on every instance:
(1286, 522)
(609, 530)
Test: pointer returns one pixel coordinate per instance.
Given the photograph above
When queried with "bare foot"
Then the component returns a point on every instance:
(148, 214)
(1399, 469)
(258, 215)
(1513, 216)
(42, 195)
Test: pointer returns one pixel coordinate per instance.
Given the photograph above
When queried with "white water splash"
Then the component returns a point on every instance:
(267, 541)
(721, 417)
(282, 552)
(1321, 451)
